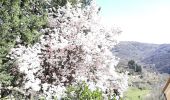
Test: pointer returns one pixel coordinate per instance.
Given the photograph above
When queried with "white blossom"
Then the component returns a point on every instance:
(77, 47)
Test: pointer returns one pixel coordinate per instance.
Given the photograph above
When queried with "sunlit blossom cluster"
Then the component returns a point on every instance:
(75, 47)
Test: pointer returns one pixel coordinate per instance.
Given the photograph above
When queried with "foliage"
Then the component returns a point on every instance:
(134, 66)
(138, 68)
(131, 64)
(81, 91)
(19, 19)
(57, 3)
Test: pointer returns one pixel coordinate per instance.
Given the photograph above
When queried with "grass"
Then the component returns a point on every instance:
(135, 94)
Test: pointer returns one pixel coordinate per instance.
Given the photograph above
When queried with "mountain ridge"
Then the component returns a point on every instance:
(145, 53)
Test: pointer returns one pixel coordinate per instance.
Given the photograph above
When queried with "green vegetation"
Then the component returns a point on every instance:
(57, 3)
(82, 92)
(134, 66)
(136, 94)
(19, 18)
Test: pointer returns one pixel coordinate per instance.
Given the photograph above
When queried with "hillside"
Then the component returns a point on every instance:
(133, 50)
(147, 54)
(160, 57)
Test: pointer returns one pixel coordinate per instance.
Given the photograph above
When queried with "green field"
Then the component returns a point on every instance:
(135, 94)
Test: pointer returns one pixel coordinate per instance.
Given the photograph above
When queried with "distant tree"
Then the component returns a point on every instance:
(138, 68)
(131, 64)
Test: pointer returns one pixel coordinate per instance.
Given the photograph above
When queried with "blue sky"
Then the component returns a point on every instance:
(140, 20)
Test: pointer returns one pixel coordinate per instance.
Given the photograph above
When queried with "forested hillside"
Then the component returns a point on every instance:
(160, 58)
(155, 55)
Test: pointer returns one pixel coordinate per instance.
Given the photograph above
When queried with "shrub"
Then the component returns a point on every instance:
(81, 91)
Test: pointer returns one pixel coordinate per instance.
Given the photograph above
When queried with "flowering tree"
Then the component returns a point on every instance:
(75, 47)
